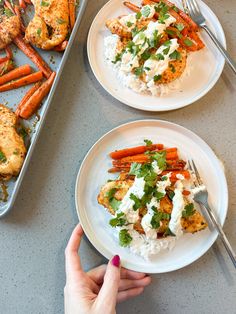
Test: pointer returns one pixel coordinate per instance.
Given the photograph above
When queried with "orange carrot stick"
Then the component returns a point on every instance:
(26, 80)
(6, 67)
(18, 13)
(131, 6)
(33, 55)
(27, 96)
(186, 192)
(33, 103)
(173, 177)
(118, 154)
(15, 74)
(72, 13)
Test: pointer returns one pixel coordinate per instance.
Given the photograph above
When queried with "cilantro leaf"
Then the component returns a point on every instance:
(160, 158)
(170, 194)
(166, 50)
(135, 168)
(115, 204)
(137, 202)
(146, 10)
(173, 70)
(158, 195)
(138, 15)
(160, 56)
(138, 71)
(110, 194)
(167, 43)
(124, 238)
(157, 77)
(118, 221)
(179, 26)
(145, 55)
(170, 32)
(188, 210)
(8, 12)
(157, 217)
(175, 55)
(188, 42)
(148, 142)
(129, 24)
(39, 31)
(44, 4)
(2, 157)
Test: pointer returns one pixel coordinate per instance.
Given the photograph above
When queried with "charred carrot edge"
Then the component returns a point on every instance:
(62, 46)
(15, 74)
(18, 13)
(26, 80)
(33, 103)
(184, 173)
(33, 55)
(27, 96)
(72, 13)
(118, 154)
(22, 4)
(6, 67)
(185, 192)
(131, 6)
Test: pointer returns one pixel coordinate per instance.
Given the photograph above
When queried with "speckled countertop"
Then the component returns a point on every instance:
(34, 234)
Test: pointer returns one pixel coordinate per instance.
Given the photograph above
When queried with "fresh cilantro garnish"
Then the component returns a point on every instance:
(138, 71)
(110, 194)
(8, 12)
(160, 159)
(23, 133)
(44, 4)
(157, 217)
(118, 57)
(157, 77)
(188, 210)
(162, 9)
(2, 157)
(188, 42)
(173, 70)
(145, 55)
(135, 30)
(129, 24)
(137, 202)
(154, 40)
(166, 50)
(164, 178)
(148, 142)
(170, 194)
(135, 168)
(147, 68)
(119, 221)
(175, 55)
(124, 238)
(168, 232)
(175, 8)
(115, 204)
(132, 48)
(167, 43)
(138, 15)
(160, 56)
(179, 26)
(146, 10)
(39, 31)
(170, 32)
(146, 171)
(158, 195)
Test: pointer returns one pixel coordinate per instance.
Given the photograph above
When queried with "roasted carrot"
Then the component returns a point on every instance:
(72, 13)
(33, 55)
(62, 46)
(15, 74)
(33, 103)
(26, 80)
(28, 1)
(114, 170)
(22, 4)
(185, 192)
(131, 6)
(184, 173)
(6, 67)
(18, 13)
(27, 96)
(118, 154)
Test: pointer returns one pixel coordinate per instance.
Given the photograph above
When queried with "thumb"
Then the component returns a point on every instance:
(109, 290)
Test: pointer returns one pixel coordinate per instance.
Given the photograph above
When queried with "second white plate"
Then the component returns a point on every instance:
(207, 64)
(93, 174)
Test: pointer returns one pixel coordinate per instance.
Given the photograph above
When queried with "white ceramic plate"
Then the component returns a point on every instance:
(207, 64)
(93, 174)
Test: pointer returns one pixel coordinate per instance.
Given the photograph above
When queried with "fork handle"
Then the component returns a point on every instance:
(223, 237)
(229, 60)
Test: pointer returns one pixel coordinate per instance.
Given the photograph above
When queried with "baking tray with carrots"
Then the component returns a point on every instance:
(28, 81)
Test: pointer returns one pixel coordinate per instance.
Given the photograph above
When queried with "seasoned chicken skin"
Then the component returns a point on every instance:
(12, 148)
(49, 27)
(9, 29)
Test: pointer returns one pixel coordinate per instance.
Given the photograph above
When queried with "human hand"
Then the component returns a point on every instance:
(97, 291)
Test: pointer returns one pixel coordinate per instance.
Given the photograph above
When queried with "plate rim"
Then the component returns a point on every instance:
(139, 106)
(138, 121)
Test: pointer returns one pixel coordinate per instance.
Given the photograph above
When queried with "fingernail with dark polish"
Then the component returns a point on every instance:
(116, 261)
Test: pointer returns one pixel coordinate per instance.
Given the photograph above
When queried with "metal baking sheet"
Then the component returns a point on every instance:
(56, 61)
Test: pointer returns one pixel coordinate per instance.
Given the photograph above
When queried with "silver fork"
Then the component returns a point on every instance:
(201, 197)
(199, 19)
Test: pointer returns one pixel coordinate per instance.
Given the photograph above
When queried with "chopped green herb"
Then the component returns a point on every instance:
(137, 202)
(146, 55)
(170, 194)
(2, 157)
(160, 159)
(158, 195)
(44, 4)
(166, 51)
(39, 31)
(138, 71)
(146, 10)
(110, 194)
(8, 12)
(160, 56)
(16, 152)
(23, 133)
(175, 55)
(147, 68)
(115, 204)
(167, 43)
(148, 142)
(164, 178)
(175, 8)
(119, 221)
(157, 217)
(173, 70)
(146, 171)
(188, 210)
(179, 26)
(168, 232)
(170, 32)
(138, 15)
(188, 42)
(118, 57)
(129, 24)
(124, 238)
(157, 77)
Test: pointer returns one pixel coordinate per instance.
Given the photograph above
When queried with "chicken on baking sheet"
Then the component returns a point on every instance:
(50, 25)
(151, 201)
(9, 28)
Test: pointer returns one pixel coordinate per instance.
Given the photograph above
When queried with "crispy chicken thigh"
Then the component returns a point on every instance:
(9, 29)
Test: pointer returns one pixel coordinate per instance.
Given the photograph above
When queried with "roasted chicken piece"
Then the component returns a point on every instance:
(9, 29)
(49, 27)
(12, 148)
